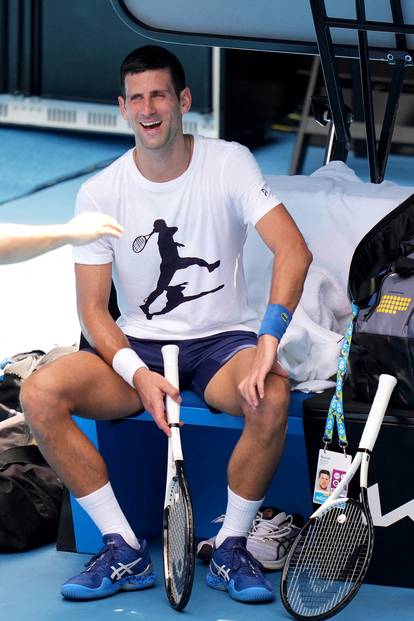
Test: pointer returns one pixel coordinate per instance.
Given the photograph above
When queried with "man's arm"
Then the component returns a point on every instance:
(93, 287)
(19, 242)
(291, 262)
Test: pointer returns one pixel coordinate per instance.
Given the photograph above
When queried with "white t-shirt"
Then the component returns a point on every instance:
(167, 290)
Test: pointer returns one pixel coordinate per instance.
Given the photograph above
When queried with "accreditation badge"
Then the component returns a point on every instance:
(332, 467)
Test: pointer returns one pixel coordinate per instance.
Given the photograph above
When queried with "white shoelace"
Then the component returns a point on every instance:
(265, 529)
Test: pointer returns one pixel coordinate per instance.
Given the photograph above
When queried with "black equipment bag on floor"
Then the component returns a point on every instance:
(30, 499)
(381, 284)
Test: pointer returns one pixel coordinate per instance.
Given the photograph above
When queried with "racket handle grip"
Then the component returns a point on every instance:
(376, 415)
(170, 358)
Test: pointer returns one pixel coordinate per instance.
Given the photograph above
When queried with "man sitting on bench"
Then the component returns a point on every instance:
(184, 202)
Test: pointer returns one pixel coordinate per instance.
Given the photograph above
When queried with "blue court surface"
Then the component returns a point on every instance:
(30, 581)
(54, 157)
(30, 590)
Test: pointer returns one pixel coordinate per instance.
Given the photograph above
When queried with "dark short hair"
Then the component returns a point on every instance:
(324, 472)
(150, 57)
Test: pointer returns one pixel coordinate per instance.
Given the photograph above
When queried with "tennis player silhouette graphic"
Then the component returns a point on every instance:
(175, 297)
(170, 263)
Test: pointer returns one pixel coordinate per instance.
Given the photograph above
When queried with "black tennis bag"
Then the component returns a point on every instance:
(30, 499)
(381, 283)
(30, 492)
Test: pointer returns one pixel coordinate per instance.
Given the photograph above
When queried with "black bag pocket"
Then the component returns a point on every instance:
(373, 354)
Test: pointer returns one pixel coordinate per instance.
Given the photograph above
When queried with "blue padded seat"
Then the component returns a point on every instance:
(135, 452)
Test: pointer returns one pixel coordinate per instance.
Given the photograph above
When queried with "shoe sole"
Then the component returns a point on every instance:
(131, 583)
(253, 594)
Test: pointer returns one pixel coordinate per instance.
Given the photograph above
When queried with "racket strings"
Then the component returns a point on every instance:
(140, 243)
(324, 572)
(178, 541)
(328, 560)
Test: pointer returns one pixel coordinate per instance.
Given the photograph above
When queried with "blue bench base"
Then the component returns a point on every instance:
(135, 453)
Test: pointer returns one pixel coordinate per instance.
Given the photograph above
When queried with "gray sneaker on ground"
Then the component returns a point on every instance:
(270, 537)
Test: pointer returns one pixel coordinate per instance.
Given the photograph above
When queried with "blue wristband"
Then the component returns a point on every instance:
(276, 320)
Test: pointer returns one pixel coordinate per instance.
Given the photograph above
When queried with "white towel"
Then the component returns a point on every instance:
(334, 210)
(309, 353)
(324, 300)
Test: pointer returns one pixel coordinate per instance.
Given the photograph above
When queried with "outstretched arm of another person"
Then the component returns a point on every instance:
(93, 287)
(291, 262)
(19, 242)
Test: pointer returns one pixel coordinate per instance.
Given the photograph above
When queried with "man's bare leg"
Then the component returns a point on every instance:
(85, 384)
(81, 383)
(257, 453)
(250, 469)
(258, 450)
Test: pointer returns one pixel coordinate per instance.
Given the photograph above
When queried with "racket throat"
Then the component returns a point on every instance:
(363, 473)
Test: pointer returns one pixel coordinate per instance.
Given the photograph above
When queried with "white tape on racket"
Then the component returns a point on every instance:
(170, 357)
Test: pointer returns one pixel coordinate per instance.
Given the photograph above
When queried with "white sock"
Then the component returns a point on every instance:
(103, 508)
(239, 517)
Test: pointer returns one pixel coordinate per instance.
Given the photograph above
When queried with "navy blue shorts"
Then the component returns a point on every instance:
(199, 359)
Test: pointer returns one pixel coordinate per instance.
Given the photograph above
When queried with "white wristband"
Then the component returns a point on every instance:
(126, 362)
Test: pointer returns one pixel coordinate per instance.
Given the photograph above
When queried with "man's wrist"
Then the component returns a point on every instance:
(126, 363)
(275, 321)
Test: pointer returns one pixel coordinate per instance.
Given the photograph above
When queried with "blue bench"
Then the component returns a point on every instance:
(135, 452)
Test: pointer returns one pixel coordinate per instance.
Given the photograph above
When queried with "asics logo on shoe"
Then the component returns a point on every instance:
(119, 572)
(220, 570)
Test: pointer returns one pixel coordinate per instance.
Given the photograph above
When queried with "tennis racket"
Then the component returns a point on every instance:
(140, 242)
(330, 557)
(178, 531)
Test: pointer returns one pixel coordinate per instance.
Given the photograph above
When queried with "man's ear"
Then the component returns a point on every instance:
(121, 102)
(185, 100)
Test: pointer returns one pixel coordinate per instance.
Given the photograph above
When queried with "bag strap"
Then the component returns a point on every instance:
(29, 454)
(336, 407)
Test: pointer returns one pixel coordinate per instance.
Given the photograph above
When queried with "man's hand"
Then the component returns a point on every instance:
(152, 388)
(89, 226)
(265, 362)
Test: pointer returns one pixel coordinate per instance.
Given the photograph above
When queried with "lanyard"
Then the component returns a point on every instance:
(336, 407)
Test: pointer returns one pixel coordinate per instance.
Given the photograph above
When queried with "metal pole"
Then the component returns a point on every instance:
(332, 81)
(367, 94)
(298, 156)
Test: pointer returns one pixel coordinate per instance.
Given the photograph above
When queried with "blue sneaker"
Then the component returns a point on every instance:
(116, 567)
(234, 569)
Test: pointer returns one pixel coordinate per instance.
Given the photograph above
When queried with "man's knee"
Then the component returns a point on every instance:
(270, 418)
(41, 400)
